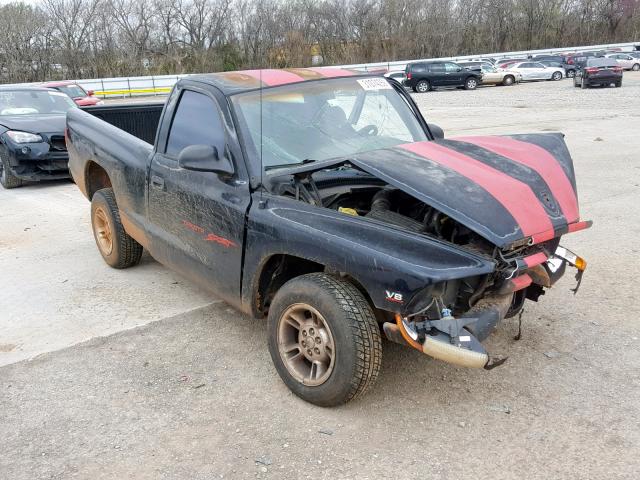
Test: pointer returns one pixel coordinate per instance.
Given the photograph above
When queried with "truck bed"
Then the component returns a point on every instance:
(139, 120)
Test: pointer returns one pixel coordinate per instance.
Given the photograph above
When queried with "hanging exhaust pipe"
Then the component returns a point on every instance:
(471, 355)
(447, 352)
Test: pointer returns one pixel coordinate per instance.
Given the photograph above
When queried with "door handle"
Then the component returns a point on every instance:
(157, 182)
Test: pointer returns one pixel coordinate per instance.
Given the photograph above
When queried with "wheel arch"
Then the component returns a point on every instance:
(279, 268)
(95, 178)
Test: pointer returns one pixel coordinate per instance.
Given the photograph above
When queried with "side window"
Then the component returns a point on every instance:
(451, 67)
(526, 65)
(418, 68)
(196, 122)
(436, 68)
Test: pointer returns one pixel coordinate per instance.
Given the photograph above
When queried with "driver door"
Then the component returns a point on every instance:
(197, 217)
(540, 71)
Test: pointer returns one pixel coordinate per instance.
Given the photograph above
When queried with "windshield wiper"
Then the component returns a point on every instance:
(290, 165)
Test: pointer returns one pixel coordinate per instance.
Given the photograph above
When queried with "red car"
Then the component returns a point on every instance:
(79, 95)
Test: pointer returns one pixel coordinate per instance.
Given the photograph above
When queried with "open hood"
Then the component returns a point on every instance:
(505, 188)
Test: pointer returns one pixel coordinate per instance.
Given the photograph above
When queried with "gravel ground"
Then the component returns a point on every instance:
(194, 394)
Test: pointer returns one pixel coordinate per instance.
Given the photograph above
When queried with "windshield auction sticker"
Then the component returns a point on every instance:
(374, 83)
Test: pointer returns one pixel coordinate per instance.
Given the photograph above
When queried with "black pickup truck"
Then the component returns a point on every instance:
(319, 198)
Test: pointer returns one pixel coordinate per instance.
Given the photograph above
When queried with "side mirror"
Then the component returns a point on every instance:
(204, 158)
(437, 132)
(90, 93)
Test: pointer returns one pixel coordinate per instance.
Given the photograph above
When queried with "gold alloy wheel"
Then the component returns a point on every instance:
(305, 344)
(102, 230)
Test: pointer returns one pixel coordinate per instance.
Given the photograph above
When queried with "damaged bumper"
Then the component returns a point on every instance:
(458, 340)
(454, 340)
(34, 162)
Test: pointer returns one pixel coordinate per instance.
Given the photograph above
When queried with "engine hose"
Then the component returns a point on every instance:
(381, 200)
(405, 335)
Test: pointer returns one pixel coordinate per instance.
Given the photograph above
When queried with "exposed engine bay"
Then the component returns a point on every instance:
(351, 191)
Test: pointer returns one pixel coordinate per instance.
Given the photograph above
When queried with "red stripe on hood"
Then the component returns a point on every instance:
(538, 159)
(332, 72)
(515, 196)
(272, 77)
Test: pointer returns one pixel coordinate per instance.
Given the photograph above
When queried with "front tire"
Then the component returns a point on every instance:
(470, 83)
(7, 179)
(423, 86)
(324, 339)
(117, 248)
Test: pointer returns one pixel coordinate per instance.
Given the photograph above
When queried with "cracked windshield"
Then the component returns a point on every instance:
(326, 119)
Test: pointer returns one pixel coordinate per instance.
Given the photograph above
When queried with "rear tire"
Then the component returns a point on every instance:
(508, 80)
(618, 83)
(470, 83)
(571, 73)
(7, 179)
(115, 245)
(422, 86)
(555, 76)
(583, 84)
(575, 82)
(345, 339)
(636, 67)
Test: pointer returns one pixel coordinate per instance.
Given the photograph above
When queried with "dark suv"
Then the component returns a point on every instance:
(598, 71)
(423, 76)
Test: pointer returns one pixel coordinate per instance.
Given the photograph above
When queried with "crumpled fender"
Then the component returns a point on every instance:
(390, 264)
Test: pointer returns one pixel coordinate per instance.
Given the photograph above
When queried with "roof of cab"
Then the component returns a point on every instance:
(245, 80)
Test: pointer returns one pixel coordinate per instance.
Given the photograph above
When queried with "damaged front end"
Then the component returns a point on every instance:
(448, 317)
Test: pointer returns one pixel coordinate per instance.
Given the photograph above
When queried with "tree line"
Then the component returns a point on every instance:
(57, 39)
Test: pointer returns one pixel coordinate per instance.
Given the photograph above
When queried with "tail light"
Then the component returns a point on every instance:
(409, 76)
(617, 69)
(591, 70)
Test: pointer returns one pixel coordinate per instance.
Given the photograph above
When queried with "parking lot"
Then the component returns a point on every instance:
(139, 374)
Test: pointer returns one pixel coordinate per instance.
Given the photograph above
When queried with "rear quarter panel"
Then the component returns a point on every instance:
(124, 157)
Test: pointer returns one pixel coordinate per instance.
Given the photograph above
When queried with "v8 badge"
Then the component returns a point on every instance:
(394, 297)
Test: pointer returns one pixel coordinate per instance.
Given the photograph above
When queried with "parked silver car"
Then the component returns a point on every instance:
(626, 61)
(537, 71)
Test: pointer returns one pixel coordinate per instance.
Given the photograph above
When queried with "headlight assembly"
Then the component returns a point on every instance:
(24, 137)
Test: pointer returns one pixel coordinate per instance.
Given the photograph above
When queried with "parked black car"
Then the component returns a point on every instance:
(423, 76)
(598, 71)
(32, 145)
